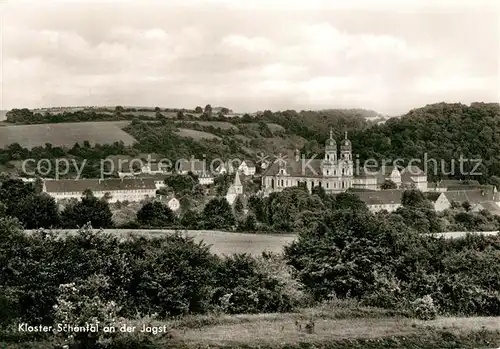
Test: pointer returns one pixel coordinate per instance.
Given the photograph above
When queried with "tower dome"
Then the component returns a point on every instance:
(331, 149)
(330, 142)
(346, 143)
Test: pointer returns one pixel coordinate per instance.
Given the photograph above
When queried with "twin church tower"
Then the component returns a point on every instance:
(335, 172)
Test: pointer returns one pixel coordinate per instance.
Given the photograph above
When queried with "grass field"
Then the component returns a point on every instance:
(217, 124)
(196, 135)
(272, 126)
(278, 330)
(340, 324)
(221, 242)
(225, 243)
(65, 134)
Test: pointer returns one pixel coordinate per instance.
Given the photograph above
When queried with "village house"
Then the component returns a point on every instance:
(206, 178)
(152, 165)
(388, 200)
(335, 172)
(487, 196)
(197, 167)
(452, 184)
(125, 189)
(171, 201)
(247, 167)
(490, 206)
(174, 204)
(149, 164)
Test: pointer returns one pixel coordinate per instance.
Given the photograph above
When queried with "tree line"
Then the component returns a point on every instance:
(290, 211)
(345, 254)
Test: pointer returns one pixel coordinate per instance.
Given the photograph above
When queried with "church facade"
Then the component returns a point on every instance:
(335, 173)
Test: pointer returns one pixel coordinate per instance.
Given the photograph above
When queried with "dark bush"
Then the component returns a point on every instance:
(241, 287)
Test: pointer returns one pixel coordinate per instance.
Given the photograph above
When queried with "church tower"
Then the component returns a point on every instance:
(346, 149)
(331, 149)
(329, 167)
(346, 156)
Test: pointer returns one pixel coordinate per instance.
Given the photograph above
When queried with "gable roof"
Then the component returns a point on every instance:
(387, 170)
(165, 198)
(475, 196)
(310, 168)
(97, 185)
(454, 184)
(380, 197)
(413, 171)
(409, 174)
(205, 175)
(432, 195)
(249, 163)
(195, 166)
(363, 172)
(237, 180)
(490, 206)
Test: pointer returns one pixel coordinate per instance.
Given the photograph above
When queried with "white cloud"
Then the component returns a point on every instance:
(432, 85)
(248, 54)
(248, 44)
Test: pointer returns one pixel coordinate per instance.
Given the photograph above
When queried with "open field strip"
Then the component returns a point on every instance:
(228, 242)
(195, 134)
(65, 134)
(331, 325)
(224, 125)
(221, 242)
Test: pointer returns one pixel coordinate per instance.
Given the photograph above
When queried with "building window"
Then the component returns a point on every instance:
(327, 184)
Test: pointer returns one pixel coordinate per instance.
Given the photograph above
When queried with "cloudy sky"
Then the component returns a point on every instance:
(249, 55)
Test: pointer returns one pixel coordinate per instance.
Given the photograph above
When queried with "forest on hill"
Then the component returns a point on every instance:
(444, 132)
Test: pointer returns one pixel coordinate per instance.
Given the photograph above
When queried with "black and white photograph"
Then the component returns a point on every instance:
(301, 174)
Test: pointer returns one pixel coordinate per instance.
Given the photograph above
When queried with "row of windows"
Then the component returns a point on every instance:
(386, 206)
(344, 172)
(290, 182)
(111, 192)
(332, 157)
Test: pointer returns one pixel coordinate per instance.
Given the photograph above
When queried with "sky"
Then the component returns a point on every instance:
(249, 55)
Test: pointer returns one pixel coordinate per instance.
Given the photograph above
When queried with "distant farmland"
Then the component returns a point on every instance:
(65, 134)
(222, 243)
(196, 135)
(223, 125)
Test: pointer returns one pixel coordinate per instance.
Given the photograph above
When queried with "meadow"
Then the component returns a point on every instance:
(196, 135)
(221, 243)
(65, 134)
(226, 243)
(272, 126)
(224, 125)
(336, 326)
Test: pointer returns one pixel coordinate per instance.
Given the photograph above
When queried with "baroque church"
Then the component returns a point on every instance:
(335, 172)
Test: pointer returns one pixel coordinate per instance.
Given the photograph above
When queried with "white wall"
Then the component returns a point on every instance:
(441, 203)
(388, 207)
(118, 195)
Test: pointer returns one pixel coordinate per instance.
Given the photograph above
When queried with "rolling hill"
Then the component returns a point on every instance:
(65, 134)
